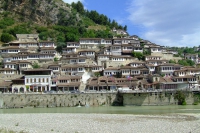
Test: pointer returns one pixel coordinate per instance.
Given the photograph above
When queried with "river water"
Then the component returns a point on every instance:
(143, 110)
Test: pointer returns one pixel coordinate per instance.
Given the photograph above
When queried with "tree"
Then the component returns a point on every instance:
(59, 49)
(43, 35)
(138, 55)
(97, 74)
(180, 96)
(186, 62)
(41, 29)
(60, 38)
(36, 65)
(60, 46)
(5, 37)
(125, 27)
(80, 8)
(172, 61)
(55, 59)
(71, 37)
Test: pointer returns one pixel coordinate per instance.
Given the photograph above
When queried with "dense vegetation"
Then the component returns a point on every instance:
(141, 56)
(185, 62)
(185, 50)
(68, 29)
(96, 17)
(180, 97)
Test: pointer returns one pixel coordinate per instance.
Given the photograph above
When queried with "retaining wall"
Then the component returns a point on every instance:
(88, 99)
(56, 100)
(154, 99)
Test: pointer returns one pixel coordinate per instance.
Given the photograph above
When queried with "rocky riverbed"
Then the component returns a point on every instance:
(100, 123)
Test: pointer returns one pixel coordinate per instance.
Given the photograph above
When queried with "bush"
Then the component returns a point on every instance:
(138, 55)
(195, 103)
(180, 96)
(5, 37)
(55, 59)
(36, 65)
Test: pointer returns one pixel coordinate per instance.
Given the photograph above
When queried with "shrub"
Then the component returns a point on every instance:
(5, 37)
(180, 96)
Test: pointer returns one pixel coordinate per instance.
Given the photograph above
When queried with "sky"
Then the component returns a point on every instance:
(164, 22)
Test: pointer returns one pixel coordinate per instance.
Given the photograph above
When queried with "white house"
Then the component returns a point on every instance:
(46, 44)
(193, 57)
(38, 80)
(111, 71)
(11, 50)
(116, 49)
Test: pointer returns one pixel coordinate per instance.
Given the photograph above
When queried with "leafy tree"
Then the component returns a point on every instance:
(189, 50)
(55, 59)
(142, 44)
(5, 37)
(59, 49)
(20, 29)
(6, 22)
(172, 61)
(138, 55)
(146, 52)
(70, 37)
(180, 96)
(186, 62)
(97, 74)
(60, 38)
(41, 29)
(190, 62)
(36, 65)
(60, 46)
(43, 35)
(162, 75)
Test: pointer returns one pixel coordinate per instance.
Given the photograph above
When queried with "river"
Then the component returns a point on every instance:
(144, 110)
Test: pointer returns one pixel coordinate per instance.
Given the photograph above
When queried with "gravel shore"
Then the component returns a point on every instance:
(100, 123)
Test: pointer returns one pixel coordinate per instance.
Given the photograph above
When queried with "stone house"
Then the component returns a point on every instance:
(167, 69)
(193, 57)
(68, 83)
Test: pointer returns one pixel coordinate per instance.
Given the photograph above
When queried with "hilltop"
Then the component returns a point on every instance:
(52, 20)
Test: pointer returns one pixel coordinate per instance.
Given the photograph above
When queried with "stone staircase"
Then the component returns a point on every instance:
(82, 86)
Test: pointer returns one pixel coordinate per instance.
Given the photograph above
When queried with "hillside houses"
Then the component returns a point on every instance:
(92, 64)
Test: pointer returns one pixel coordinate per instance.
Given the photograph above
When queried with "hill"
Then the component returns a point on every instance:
(52, 20)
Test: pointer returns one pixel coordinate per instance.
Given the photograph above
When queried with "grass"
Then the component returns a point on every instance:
(97, 27)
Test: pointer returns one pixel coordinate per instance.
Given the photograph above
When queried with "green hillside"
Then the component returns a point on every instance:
(53, 20)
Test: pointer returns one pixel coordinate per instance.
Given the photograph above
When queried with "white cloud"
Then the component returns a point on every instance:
(167, 22)
(70, 1)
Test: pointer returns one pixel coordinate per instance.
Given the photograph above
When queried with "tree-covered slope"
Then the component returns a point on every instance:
(52, 20)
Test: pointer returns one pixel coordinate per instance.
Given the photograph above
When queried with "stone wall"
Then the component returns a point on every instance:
(166, 56)
(153, 99)
(56, 100)
(88, 99)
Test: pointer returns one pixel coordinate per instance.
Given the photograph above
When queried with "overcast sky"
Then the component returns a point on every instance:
(164, 22)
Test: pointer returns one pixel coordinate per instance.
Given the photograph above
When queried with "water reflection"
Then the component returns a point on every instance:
(110, 110)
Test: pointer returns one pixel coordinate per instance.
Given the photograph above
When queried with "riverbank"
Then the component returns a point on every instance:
(90, 99)
(101, 123)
